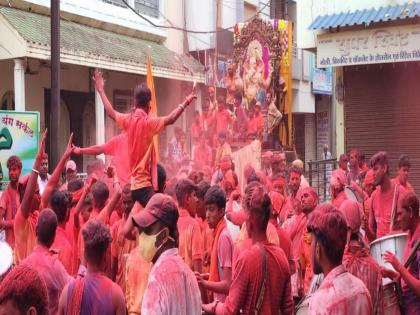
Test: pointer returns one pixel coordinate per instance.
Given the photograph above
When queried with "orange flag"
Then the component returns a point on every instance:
(151, 86)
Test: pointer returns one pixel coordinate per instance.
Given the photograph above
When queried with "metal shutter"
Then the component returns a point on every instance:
(382, 112)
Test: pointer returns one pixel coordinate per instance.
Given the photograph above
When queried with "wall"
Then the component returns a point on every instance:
(308, 10)
(102, 13)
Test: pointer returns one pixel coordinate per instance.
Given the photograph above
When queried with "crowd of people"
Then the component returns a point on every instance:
(130, 240)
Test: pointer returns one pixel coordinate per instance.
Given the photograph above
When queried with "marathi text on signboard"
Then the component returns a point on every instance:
(380, 45)
(18, 136)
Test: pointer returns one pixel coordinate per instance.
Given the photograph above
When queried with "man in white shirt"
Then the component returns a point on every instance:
(43, 174)
(172, 287)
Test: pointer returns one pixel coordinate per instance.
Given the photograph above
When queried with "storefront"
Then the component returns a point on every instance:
(380, 89)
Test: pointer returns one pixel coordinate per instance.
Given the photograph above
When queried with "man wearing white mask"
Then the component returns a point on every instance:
(172, 287)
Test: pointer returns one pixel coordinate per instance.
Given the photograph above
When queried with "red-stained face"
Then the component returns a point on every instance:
(191, 203)
(214, 215)
(294, 181)
(14, 174)
(404, 217)
(354, 159)
(403, 174)
(127, 202)
(379, 173)
(86, 211)
(308, 201)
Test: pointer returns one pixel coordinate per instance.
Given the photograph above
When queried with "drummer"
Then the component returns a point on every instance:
(408, 218)
(384, 198)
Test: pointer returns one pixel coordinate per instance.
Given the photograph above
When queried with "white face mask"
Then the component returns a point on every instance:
(147, 245)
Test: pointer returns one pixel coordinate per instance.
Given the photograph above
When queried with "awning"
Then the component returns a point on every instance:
(367, 16)
(27, 34)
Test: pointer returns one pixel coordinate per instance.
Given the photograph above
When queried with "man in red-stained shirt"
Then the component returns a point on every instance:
(196, 128)
(45, 261)
(337, 185)
(261, 268)
(255, 124)
(10, 201)
(202, 152)
(141, 129)
(223, 117)
(62, 245)
(190, 244)
(357, 259)
(384, 199)
(292, 202)
(117, 147)
(340, 291)
(120, 246)
(404, 166)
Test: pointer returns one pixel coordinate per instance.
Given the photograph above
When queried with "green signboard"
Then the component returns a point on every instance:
(19, 132)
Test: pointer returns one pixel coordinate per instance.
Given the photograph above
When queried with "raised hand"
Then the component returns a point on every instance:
(98, 80)
(70, 147)
(41, 149)
(190, 98)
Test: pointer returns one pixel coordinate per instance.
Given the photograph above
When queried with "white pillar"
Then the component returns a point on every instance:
(100, 122)
(19, 77)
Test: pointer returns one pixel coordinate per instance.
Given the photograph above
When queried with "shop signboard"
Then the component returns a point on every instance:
(370, 46)
(19, 132)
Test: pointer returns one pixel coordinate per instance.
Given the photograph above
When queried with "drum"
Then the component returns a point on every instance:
(351, 194)
(303, 307)
(390, 300)
(394, 243)
(6, 258)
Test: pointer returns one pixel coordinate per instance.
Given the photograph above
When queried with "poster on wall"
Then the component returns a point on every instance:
(322, 127)
(322, 81)
(19, 132)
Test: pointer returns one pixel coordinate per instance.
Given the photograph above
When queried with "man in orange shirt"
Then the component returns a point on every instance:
(141, 129)
(404, 166)
(59, 204)
(120, 246)
(220, 276)
(190, 243)
(27, 215)
(206, 232)
(255, 124)
(223, 117)
(202, 152)
(117, 147)
(261, 265)
(45, 261)
(10, 201)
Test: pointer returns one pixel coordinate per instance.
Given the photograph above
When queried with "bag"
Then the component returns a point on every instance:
(260, 298)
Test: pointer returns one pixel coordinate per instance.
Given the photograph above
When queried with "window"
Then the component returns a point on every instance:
(148, 7)
(119, 3)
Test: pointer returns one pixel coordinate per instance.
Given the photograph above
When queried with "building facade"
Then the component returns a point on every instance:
(373, 49)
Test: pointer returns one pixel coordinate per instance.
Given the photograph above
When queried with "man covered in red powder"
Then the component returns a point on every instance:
(357, 259)
(94, 293)
(171, 287)
(261, 275)
(223, 117)
(340, 291)
(23, 291)
(46, 261)
(404, 166)
(220, 276)
(10, 201)
(384, 199)
(141, 128)
(409, 220)
(117, 147)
